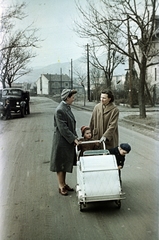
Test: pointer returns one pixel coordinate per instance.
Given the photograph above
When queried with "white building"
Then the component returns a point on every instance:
(51, 84)
(118, 82)
(152, 72)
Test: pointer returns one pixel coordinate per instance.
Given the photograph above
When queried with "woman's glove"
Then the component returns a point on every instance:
(76, 142)
(103, 139)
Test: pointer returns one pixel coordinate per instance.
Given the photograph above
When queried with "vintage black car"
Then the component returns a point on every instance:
(18, 99)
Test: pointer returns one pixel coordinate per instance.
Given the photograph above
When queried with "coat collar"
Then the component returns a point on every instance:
(108, 107)
(67, 109)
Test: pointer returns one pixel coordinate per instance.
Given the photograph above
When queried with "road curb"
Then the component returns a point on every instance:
(123, 119)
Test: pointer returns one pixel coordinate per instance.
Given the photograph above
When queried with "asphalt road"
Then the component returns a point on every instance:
(31, 207)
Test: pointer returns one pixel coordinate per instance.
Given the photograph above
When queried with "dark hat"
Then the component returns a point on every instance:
(83, 128)
(66, 92)
(126, 147)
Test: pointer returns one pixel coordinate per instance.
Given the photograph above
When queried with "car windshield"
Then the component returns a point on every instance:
(16, 92)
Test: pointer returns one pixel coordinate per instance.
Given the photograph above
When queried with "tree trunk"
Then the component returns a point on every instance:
(107, 80)
(141, 95)
(149, 95)
(3, 84)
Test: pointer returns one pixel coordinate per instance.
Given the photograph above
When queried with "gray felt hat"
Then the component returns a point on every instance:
(66, 92)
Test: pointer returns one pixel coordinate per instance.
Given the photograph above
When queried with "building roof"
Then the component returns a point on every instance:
(57, 77)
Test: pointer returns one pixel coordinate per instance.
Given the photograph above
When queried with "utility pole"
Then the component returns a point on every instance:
(71, 74)
(88, 76)
(82, 84)
(60, 79)
(130, 64)
(41, 87)
(154, 88)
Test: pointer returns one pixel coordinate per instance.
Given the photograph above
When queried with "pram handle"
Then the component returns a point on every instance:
(94, 141)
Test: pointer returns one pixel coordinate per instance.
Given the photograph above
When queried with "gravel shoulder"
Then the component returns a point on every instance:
(148, 126)
(150, 121)
(129, 117)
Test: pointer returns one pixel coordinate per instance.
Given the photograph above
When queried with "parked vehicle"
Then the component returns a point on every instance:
(18, 99)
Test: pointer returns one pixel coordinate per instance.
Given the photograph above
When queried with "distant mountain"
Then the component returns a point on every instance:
(79, 65)
(55, 68)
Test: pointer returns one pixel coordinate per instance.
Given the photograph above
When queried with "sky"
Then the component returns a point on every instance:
(54, 18)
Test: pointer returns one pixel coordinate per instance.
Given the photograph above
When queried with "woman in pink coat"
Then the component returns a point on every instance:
(104, 120)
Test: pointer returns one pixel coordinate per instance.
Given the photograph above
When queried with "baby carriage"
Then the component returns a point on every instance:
(98, 177)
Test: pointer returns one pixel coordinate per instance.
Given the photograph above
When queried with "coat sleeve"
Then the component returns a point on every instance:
(63, 126)
(122, 162)
(113, 125)
(91, 124)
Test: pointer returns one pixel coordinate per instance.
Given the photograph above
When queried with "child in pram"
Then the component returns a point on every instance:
(86, 136)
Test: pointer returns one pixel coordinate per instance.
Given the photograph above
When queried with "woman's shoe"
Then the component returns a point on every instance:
(63, 191)
(68, 188)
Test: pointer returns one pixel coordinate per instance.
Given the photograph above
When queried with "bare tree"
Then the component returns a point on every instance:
(14, 64)
(16, 46)
(111, 60)
(95, 74)
(140, 17)
(102, 55)
(82, 81)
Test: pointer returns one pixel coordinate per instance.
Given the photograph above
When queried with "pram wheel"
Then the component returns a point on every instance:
(82, 206)
(118, 203)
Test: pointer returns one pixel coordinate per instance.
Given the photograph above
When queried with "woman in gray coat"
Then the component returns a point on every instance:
(104, 120)
(63, 155)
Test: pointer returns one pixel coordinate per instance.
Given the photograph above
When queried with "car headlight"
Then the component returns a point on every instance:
(17, 103)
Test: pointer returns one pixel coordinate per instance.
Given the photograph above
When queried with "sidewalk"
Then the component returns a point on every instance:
(90, 105)
(129, 115)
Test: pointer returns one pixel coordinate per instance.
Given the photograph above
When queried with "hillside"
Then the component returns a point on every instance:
(79, 65)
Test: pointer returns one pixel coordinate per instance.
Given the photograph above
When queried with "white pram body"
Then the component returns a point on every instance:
(98, 178)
